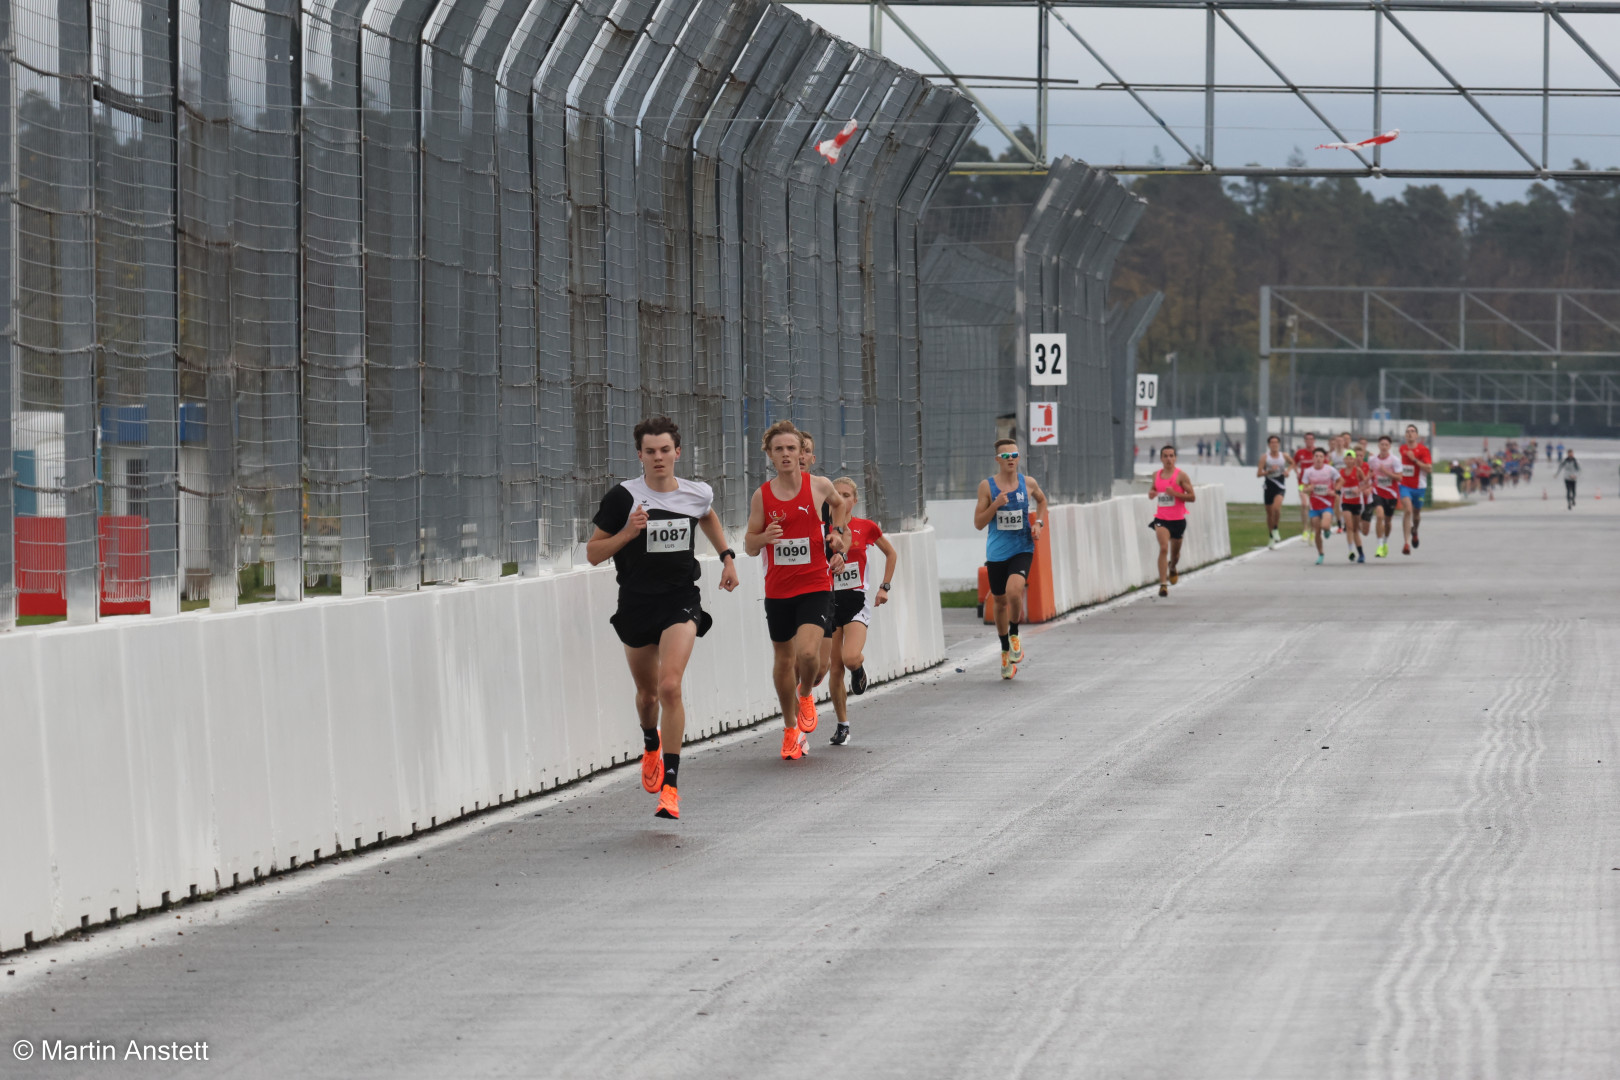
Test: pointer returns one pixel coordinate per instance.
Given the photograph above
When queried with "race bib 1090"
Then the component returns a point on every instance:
(666, 536)
(792, 552)
(848, 578)
(1009, 520)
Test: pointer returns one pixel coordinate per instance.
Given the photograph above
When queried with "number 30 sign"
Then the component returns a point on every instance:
(1049, 359)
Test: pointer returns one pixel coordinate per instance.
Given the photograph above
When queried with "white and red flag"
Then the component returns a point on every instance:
(1376, 140)
(831, 148)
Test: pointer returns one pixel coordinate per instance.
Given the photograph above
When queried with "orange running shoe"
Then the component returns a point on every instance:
(792, 744)
(652, 768)
(669, 804)
(807, 714)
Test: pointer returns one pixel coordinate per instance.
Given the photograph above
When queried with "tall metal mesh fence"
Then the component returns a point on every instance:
(991, 276)
(360, 294)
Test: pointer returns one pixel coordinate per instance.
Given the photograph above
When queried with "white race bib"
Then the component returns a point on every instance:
(667, 536)
(1009, 520)
(1166, 499)
(848, 578)
(1322, 489)
(1408, 470)
(794, 552)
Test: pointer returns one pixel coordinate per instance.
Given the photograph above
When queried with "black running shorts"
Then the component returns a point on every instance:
(999, 572)
(847, 603)
(642, 618)
(1387, 503)
(1274, 490)
(785, 615)
(1176, 528)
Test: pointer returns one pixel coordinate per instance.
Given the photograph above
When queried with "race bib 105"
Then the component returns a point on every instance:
(667, 536)
(848, 578)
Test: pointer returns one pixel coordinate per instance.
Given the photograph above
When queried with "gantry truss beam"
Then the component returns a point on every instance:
(1222, 25)
(1358, 320)
(1422, 392)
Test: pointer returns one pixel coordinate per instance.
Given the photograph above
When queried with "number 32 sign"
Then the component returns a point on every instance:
(1049, 359)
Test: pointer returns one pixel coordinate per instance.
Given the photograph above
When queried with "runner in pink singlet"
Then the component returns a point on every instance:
(1171, 491)
(1320, 483)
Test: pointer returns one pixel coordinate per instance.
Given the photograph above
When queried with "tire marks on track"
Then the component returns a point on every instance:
(1432, 999)
(1138, 947)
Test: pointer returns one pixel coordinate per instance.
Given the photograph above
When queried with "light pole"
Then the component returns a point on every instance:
(1175, 405)
(1292, 322)
(1555, 395)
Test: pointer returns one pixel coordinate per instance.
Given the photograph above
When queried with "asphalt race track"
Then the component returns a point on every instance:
(1292, 822)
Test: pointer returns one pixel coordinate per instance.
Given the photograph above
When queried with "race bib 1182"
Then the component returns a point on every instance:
(1009, 520)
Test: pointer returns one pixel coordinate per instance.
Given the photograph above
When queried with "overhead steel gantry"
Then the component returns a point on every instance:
(1386, 19)
(1380, 321)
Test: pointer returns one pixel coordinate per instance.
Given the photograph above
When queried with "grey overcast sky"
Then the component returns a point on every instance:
(1311, 47)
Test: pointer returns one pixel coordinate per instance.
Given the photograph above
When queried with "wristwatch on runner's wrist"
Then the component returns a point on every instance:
(728, 554)
(884, 586)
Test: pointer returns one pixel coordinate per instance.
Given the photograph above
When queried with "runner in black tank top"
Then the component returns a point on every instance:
(648, 527)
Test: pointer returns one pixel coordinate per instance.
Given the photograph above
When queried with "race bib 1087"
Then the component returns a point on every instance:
(667, 536)
(791, 552)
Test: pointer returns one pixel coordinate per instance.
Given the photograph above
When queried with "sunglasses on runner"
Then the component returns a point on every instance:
(1008, 455)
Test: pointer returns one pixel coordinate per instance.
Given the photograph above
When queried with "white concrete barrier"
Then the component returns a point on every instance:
(152, 758)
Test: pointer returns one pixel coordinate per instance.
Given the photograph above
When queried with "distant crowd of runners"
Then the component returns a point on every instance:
(1351, 487)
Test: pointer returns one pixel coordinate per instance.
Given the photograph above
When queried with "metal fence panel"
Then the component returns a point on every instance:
(556, 380)
(390, 69)
(1126, 325)
(264, 300)
(524, 480)
(374, 294)
(334, 294)
(982, 292)
(674, 381)
(54, 416)
(783, 37)
(8, 330)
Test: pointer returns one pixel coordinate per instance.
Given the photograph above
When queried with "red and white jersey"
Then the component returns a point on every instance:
(1411, 458)
(796, 563)
(1351, 475)
(1303, 459)
(1386, 475)
(861, 533)
(1318, 481)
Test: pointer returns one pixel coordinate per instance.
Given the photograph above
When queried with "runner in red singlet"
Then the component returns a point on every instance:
(1416, 464)
(1304, 458)
(784, 523)
(1353, 485)
(1385, 468)
(855, 597)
